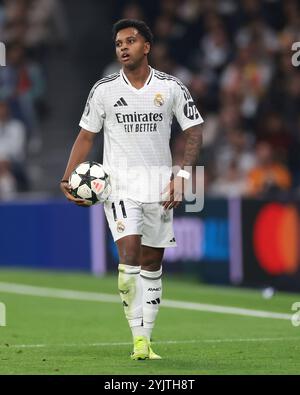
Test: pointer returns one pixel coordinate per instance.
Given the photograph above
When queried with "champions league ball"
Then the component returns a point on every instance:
(90, 182)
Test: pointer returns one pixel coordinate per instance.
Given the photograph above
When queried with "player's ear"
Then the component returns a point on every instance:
(146, 48)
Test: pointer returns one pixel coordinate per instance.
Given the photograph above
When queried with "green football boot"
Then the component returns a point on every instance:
(140, 348)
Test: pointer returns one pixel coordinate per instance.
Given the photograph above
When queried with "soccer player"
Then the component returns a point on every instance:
(135, 107)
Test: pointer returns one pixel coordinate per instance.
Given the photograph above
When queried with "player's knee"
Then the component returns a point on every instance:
(150, 265)
(130, 259)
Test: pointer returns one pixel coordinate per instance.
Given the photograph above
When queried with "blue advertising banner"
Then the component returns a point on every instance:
(52, 234)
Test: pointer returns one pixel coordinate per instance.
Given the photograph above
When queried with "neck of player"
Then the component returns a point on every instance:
(138, 76)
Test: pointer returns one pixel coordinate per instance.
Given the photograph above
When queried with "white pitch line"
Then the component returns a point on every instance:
(30, 290)
(114, 344)
(22, 289)
(225, 309)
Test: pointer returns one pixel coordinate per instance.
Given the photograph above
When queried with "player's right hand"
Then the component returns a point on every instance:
(66, 189)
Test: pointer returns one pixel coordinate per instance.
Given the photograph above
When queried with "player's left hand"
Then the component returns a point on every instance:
(67, 191)
(172, 195)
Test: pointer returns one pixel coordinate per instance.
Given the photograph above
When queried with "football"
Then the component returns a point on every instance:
(90, 182)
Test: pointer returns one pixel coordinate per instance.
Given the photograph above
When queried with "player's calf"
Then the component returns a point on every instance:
(130, 289)
(152, 293)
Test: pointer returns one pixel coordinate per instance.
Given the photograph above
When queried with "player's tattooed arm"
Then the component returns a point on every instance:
(173, 193)
(192, 146)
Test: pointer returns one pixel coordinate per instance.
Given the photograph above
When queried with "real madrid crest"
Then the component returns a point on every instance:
(120, 227)
(158, 100)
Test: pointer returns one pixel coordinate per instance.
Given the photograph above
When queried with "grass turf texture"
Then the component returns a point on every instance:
(70, 331)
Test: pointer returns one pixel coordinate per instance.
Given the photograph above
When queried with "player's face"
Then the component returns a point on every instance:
(131, 47)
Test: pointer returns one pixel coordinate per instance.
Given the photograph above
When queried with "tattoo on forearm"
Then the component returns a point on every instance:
(192, 147)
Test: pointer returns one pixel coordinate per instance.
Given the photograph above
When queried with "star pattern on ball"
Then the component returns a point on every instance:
(90, 182)
(87, 179)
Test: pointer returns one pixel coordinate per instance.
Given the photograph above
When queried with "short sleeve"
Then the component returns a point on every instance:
(93, 116)
(184, 107)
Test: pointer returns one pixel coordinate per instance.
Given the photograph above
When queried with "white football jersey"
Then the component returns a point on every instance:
(137, 128)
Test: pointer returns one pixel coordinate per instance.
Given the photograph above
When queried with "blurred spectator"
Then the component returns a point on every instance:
(169, 8)
(235, 154)
(163, 29)
(246, 79)
(269, 176)
(22, 84)
(202, 91)
(15, 21)
(291, 30)
(258, 31)
(230, 116)
(12, 154)
(273, 130)
(133, 11)
(171, 30)
(250, 9)
(284, 93)
(231, 184)
(2, 18)
(38, 24)
(160, 57)
(216, 49)
(189, 10)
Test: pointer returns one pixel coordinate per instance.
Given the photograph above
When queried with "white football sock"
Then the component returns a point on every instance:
(130, 289)
(152, 292)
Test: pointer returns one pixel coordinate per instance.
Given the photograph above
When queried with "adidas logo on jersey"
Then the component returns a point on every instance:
(121, 102)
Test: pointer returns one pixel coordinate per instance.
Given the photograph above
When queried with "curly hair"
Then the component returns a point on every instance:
(141, 27)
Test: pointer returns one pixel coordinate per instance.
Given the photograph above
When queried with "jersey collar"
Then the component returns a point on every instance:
(127, 82)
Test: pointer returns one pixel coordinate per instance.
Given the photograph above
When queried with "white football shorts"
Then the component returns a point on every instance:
(150, 220)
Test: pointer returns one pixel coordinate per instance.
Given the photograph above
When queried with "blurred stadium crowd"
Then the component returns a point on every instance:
(29, 28)
(234, 56)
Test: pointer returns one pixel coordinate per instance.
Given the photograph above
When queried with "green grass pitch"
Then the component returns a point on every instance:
(46, 335)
